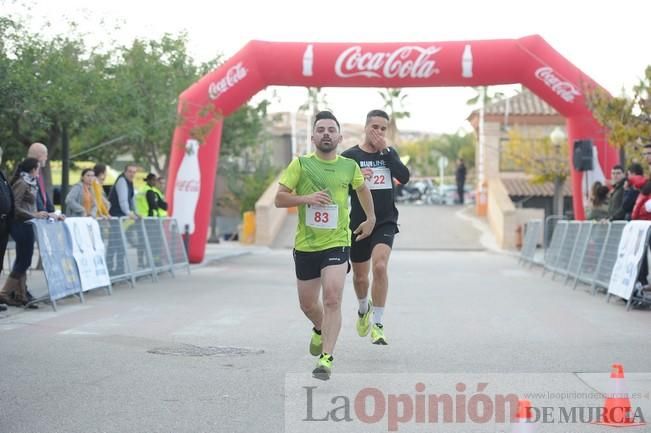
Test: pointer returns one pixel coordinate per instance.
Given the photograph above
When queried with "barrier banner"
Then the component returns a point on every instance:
(55, 247)
(630, 253)
(88, 252)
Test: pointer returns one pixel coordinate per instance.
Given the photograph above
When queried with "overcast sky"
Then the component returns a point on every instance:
(608, 40)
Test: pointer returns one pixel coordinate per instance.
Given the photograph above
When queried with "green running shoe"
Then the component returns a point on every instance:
(364, 320)
(377, 334)
(323, 367)
(316, 343)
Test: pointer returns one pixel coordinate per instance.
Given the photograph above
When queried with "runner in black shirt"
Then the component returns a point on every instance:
(379, 164)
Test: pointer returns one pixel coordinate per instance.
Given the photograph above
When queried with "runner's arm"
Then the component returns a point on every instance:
(285, 198)
(398, 169)
(366, 200)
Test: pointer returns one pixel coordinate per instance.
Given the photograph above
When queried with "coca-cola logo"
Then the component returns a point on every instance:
(566, 90)
(405, 62)
(234, 75)
(187, 185)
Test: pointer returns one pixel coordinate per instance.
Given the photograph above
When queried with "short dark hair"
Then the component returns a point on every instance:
(636, 168)
(376, 113)
(99, 169)
(618, 167)
(26, 165)
(86, 170)
(325, 115)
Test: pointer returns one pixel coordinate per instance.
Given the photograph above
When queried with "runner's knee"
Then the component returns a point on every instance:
(331, 299)
(360, 279)
(380, 267)
(307, 306)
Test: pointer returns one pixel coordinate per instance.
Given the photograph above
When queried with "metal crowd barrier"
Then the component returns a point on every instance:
(532, 235)
(585, 251)
(608, 257)
(553, 252)
(145, 247)
(176, 247)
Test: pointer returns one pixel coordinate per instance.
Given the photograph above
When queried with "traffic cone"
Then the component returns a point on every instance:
(617, 408)
(524, 418)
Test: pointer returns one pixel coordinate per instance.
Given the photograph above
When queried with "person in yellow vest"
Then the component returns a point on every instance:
(150, 201)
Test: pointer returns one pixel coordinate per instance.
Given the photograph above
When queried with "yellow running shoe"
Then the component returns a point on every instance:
(316, 343)
(377, 334)
(364, 320)
(323, 367)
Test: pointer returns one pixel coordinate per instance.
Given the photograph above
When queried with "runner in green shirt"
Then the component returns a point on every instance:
(318, 184)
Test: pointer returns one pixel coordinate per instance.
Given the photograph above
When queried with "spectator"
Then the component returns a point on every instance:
(25, 189)
(616, 196)
(634, 181)
(599, 209)
(122, 205)
(460, 177)
(43, 200)
(6, 215)
(80, 201)
(642, 209)
(150, 201)
(101, 201)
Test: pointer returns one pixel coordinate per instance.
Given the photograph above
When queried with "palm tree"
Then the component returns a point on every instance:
(316, 101)
(394, 100)
(496, 96)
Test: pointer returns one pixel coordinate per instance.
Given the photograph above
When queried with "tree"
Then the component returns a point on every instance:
(315, 102)
(50, 86)
(627, 120)
(394, 103)
(488, 97)
(541, 159)
(424, 154)
(141, 98)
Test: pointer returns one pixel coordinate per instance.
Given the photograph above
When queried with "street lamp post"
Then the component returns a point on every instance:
(558, 137)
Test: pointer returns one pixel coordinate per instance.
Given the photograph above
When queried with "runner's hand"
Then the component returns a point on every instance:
(364, 230)
(377, 140)
(367, 173)
(317, 198)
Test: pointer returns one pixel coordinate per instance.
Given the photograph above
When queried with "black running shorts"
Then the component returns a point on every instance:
(309, 264)
(383, 234)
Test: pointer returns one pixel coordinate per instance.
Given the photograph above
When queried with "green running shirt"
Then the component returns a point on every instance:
(309, 174)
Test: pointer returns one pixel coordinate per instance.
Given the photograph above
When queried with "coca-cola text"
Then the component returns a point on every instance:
(187, 185)
(404, 62)
(566, 90)
(232, 77)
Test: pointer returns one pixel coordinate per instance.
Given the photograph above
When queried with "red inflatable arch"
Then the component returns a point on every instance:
(529, 60)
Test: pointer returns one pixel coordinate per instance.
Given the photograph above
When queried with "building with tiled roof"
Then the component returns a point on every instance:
(514, 197)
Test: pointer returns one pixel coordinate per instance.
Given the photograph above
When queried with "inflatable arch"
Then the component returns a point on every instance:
(529, 60)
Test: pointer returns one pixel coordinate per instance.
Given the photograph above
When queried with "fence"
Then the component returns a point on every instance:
(583, 251)
(129, 249)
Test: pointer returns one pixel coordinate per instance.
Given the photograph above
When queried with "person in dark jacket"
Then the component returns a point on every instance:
(634, 182)
(460, 177)
(616, 196)
(6, 215)
(121, 198)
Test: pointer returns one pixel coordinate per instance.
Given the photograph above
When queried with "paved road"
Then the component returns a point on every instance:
(123, 363)
(421, 228)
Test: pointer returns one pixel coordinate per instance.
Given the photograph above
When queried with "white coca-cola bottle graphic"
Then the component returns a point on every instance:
(308, 61)
(592, 176)
(187, 186)
(466, 62)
